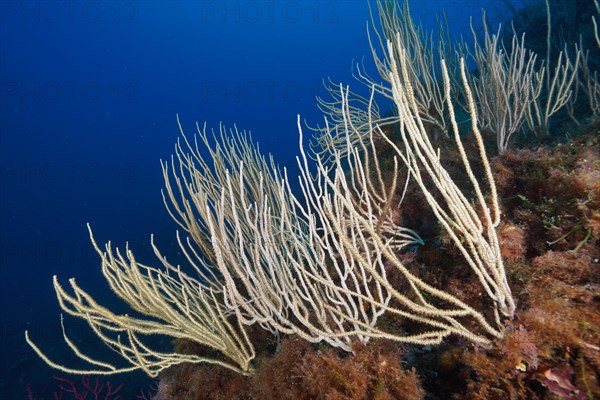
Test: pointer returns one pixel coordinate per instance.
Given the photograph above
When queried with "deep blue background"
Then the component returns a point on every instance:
(88, 97)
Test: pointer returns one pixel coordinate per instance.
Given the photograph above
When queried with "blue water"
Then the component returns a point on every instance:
(89, 96)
